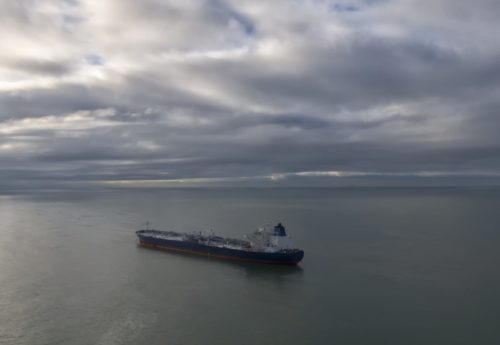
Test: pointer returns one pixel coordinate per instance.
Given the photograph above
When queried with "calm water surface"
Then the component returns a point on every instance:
(382, 266)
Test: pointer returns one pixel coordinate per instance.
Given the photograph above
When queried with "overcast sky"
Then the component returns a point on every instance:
(196, 92)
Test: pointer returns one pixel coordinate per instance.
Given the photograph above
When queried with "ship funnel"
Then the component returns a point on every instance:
(279, 230)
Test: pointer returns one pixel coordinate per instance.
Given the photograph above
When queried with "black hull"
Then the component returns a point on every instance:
(282, 258)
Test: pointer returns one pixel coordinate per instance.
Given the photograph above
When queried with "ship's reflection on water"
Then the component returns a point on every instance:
(270, 272)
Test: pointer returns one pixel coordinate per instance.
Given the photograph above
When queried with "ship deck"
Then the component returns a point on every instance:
(208, 240)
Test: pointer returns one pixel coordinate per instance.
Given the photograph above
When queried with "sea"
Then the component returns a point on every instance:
(382, 266)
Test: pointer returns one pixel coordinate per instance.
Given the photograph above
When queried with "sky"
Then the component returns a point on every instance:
(125, 93)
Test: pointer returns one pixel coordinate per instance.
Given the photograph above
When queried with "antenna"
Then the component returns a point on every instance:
(147, 225)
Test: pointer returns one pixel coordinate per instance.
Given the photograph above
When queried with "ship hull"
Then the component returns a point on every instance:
(281, 258)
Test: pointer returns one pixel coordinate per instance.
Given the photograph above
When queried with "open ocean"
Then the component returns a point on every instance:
(381, 266)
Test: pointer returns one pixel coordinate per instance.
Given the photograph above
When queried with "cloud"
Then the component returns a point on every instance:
(272, 93)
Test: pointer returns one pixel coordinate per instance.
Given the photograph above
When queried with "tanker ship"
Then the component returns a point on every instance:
(267, 246)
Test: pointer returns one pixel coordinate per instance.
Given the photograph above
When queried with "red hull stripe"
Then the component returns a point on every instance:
(218, 256)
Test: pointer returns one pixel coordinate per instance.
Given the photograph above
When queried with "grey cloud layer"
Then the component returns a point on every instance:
(95, 91)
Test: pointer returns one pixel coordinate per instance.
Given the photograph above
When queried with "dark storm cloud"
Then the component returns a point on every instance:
(42, 102)
(363, 73)
(35, 66)
(363, 92)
